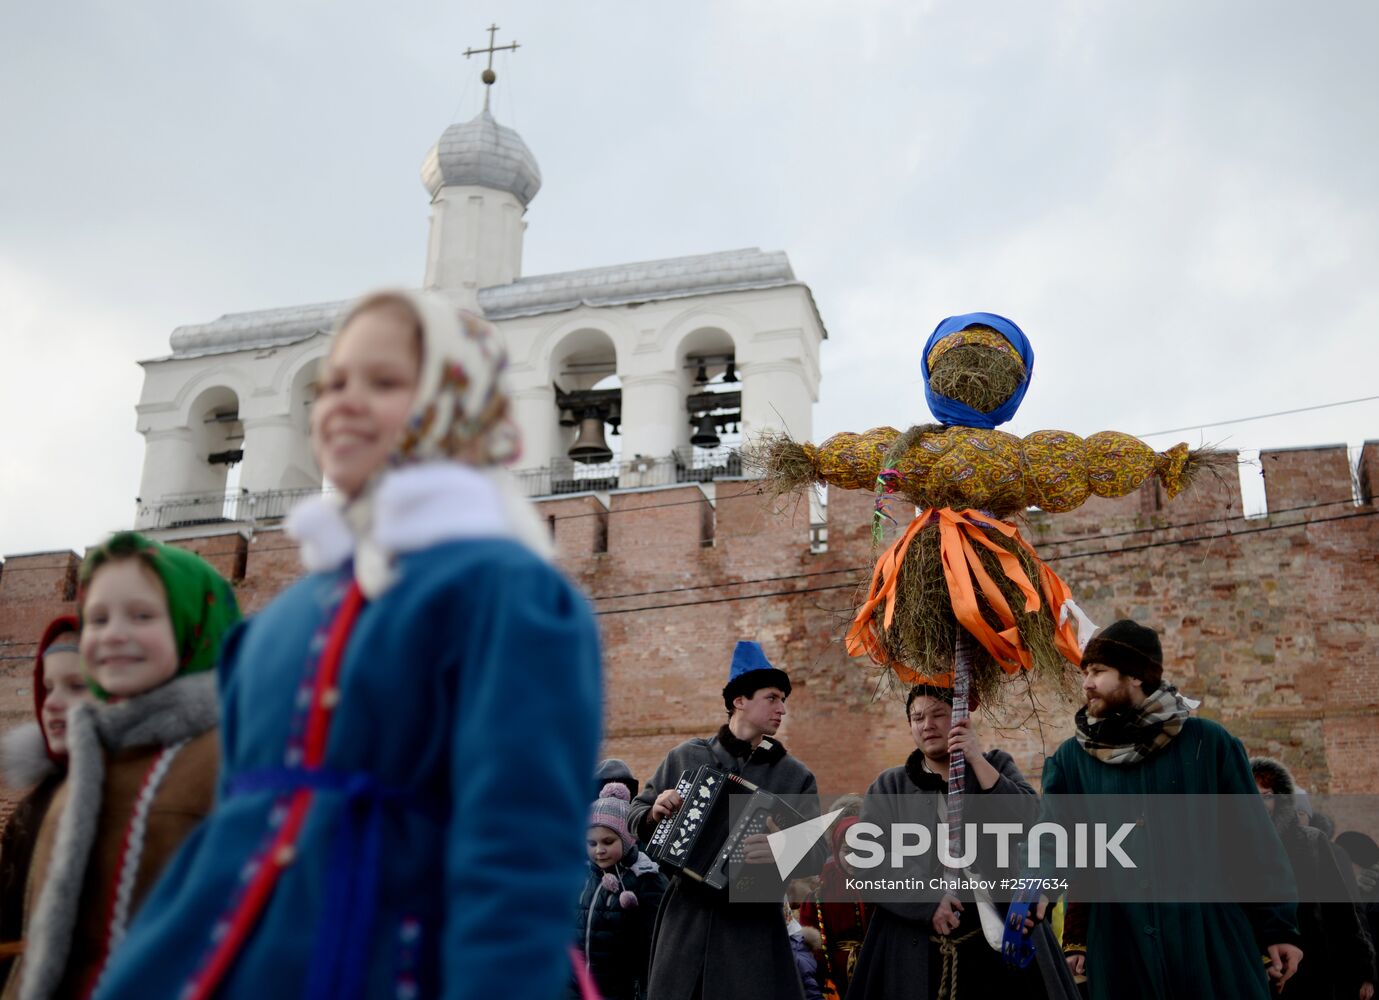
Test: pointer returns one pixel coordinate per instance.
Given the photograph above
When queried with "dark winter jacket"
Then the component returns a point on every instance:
(614, 939)
(24, 763)
(900, 955)
(808, 967)
(704, 947)
(1153, 950)
(1337, 953)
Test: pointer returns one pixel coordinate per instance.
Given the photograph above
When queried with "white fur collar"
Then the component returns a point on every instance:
(414, 508)
(24, 759)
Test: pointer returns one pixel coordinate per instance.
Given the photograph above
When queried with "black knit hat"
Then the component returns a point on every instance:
(1131, 648)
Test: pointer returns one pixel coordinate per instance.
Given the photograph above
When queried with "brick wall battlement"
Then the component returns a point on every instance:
(1272, 621)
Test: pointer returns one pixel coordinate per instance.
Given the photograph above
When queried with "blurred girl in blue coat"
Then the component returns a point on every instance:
(409, 730)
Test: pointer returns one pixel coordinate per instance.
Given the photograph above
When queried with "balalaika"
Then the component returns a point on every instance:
(702, 841)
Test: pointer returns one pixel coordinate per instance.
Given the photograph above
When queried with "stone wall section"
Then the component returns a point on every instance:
(1273, 621)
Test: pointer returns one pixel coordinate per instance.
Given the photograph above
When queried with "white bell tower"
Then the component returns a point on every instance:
(481, 176)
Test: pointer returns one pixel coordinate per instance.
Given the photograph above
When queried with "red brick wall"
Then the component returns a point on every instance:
(1275, 627)
(34, 589)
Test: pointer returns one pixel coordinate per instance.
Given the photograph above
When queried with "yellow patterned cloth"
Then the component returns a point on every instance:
(973, 335)
(994, 471)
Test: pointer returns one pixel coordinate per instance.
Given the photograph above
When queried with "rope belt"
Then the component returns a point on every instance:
(948, 975)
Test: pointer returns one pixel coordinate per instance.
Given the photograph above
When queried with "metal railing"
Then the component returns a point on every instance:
(235, 507)
(689, 465)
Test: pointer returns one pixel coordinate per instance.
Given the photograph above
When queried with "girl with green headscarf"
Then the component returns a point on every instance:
(143, 759)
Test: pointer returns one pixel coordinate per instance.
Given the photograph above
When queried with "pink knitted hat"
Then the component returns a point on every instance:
(610, 810)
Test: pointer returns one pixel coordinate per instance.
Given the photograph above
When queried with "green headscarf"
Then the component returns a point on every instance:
(201, 603)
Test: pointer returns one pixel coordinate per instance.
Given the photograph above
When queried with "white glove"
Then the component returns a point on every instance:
(1086, 628)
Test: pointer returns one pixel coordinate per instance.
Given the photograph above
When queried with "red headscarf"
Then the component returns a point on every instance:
(58, 626)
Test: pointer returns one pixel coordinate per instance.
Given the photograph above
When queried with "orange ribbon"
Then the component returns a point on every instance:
(960, 532)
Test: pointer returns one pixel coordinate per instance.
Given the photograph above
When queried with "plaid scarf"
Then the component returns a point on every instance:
(1133, 736)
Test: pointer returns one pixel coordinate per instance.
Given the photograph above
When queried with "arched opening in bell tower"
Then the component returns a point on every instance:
(711, 435)
(588, 412)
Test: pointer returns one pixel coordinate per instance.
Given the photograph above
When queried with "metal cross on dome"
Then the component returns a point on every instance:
(488, 76)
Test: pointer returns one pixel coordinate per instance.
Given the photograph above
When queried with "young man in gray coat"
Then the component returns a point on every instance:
(916, 948)
(705, 946)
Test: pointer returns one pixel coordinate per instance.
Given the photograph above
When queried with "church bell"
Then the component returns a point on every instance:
(590, 445)
(706, 434)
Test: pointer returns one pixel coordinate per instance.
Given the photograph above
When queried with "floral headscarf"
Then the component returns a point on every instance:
(461, 409)
(201, 603)
(460, 415)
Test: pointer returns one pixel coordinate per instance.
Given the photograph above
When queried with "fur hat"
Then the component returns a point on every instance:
(610, 810)
(751, 671)
(1273, 775)
(1131, 648)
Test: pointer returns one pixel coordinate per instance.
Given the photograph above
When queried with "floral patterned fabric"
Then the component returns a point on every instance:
(998, 472)
(981, 335)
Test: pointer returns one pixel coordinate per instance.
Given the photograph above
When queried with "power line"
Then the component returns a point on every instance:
(723, 600)
(812, 573)
(859, 569)
(1261, 416)
(729, 583)
(1074, 555)
(759, 490)
(1194, 524)
(1212, 538)
(853, 585)
(651, 506)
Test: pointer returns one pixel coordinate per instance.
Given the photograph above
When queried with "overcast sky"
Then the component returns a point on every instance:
(1176, 200)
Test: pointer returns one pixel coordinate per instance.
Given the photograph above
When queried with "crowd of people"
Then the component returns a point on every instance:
(379, 784)
(1135, 736)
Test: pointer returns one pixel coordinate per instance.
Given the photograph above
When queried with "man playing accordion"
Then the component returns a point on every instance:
(707, 947)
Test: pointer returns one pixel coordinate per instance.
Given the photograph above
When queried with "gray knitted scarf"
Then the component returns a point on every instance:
(1130, 737)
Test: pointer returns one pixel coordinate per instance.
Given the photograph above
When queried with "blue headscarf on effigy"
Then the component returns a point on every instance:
(950, 411)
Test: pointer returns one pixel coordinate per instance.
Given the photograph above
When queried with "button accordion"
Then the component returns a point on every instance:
(703, 840)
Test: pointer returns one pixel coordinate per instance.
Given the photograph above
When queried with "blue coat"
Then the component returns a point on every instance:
(469, 707)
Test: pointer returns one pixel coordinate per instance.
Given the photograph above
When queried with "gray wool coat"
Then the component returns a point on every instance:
(703, 946)
(899, 957)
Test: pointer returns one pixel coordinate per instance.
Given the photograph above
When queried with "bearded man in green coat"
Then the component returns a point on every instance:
(1135, 736)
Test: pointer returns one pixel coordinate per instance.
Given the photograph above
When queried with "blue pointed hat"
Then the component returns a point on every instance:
(751, 671)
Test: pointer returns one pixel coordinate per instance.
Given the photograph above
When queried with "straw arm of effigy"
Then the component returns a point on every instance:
(959, 467)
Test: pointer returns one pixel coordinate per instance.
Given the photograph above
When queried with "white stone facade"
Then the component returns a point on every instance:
(243, 382)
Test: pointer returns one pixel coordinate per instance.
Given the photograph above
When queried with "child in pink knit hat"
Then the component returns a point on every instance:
(617, 909)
